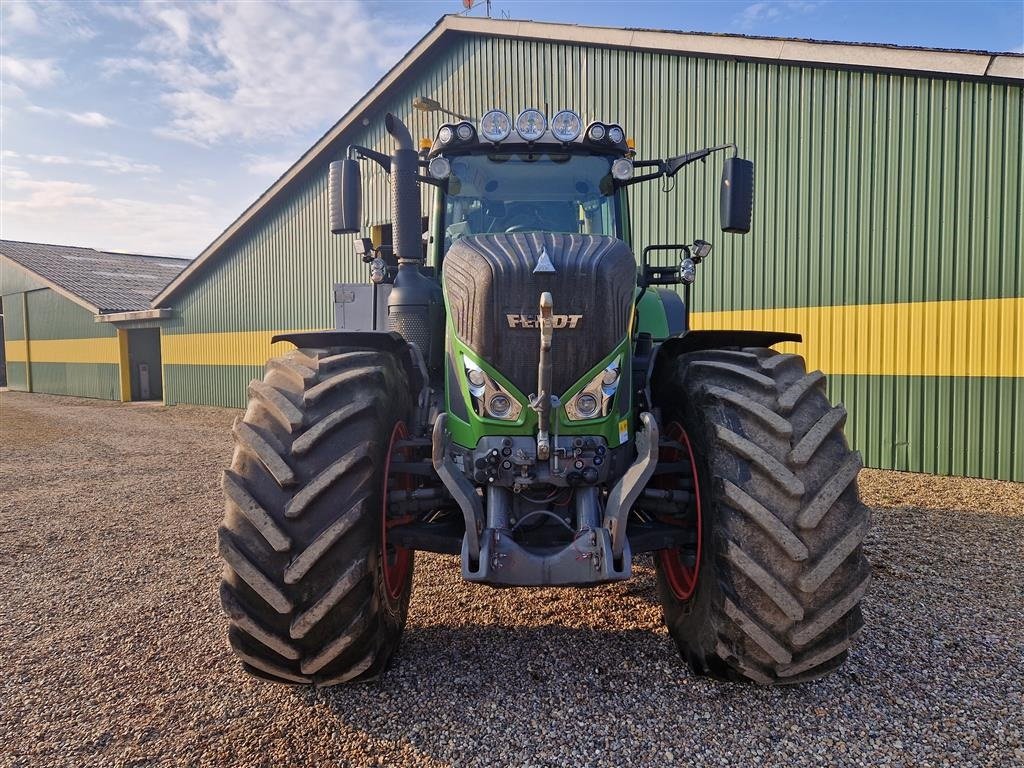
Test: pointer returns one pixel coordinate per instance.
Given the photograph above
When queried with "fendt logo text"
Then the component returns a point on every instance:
(533, 321)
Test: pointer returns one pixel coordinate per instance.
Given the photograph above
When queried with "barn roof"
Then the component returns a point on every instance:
(100, 281)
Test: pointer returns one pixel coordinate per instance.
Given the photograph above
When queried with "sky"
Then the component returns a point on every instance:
(150, 127)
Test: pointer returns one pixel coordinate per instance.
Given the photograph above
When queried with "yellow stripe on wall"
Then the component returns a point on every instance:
(123, 362)
(979, 337)
(234, 348)
(99, 350)
(16, 350)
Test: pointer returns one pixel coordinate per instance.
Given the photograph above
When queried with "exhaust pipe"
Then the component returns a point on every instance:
(406, 228)
(415, 304)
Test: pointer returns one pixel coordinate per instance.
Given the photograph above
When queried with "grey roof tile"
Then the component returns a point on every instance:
(111, 282)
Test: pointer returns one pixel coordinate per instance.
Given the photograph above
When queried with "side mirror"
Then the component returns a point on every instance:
(343, 193)
(736, 204)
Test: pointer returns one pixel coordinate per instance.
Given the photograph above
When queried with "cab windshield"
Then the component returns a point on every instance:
(541, 192)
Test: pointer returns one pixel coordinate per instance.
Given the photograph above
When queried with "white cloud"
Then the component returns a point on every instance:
(258, 71)
(92, 119)
(177, 21)
(18, 15)
(88, 216)
(33, 73)
(103, 161)
(770, 10)
(757, 12)
(50, 18)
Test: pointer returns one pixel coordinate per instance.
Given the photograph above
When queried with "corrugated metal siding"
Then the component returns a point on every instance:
(51, 316)
(67, 352)
(871, 187)
(99, 380)
(223, 385)
(16, 376)
(14, 334)
(15, 279)
(14, 316)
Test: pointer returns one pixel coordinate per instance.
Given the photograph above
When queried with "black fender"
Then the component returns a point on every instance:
(669, 350)
(377, 341)
(383, 341)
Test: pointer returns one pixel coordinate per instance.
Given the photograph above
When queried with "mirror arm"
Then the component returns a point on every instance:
(356, 152)
(673, 165)
(638, 179)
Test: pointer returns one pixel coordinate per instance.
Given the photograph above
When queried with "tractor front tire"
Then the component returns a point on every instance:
(312, 591)
(781, 568)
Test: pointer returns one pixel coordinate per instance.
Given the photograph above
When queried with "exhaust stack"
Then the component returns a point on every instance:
(405, 194)
(415, 304)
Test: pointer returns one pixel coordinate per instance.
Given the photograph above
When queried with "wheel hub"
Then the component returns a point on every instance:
(681, 566)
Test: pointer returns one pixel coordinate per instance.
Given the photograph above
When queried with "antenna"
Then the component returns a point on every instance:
(468, 5)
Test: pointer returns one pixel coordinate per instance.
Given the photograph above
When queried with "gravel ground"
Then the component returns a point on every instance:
(115, 651)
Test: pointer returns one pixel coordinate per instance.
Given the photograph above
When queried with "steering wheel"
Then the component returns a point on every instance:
(521, 228)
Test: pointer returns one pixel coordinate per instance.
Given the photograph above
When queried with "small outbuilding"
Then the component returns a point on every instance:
(77, 321)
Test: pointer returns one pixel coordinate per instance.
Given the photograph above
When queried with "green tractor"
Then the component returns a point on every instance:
(513, 388)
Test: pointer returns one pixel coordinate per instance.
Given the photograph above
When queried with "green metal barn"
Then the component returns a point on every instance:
(77, 321)
(888, 224)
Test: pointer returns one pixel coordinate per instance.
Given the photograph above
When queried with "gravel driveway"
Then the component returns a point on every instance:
(115, 654)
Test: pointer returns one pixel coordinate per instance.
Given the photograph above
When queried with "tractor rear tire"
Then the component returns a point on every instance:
(306, 566)
(781, 570)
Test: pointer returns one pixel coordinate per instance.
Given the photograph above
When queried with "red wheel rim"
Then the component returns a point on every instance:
(395, 561)
(682, 578)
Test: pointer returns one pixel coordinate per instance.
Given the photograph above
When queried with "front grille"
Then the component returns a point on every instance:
(489, 277)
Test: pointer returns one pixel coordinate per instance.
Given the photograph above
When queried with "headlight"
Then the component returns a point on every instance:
(445, 135)
(489, 398)
(595, 399)
(566, 125)
(596, 132)
(586, 405)
(531, 124)
(495, 126)
(464, 131)
(440, 168)
(615, 135)
(499, 406)
(622, 169)
(687, 271)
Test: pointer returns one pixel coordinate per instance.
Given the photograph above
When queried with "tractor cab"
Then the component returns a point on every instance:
(554, 178)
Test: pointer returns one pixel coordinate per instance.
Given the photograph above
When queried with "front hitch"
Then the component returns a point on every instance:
(541, 403)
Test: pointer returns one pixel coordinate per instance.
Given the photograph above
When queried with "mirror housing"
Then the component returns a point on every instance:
(343, 193)
(736, 202)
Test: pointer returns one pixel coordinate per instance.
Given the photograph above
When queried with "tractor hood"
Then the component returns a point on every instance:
(493, 285)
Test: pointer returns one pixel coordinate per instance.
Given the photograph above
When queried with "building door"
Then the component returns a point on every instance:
(144, 363)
